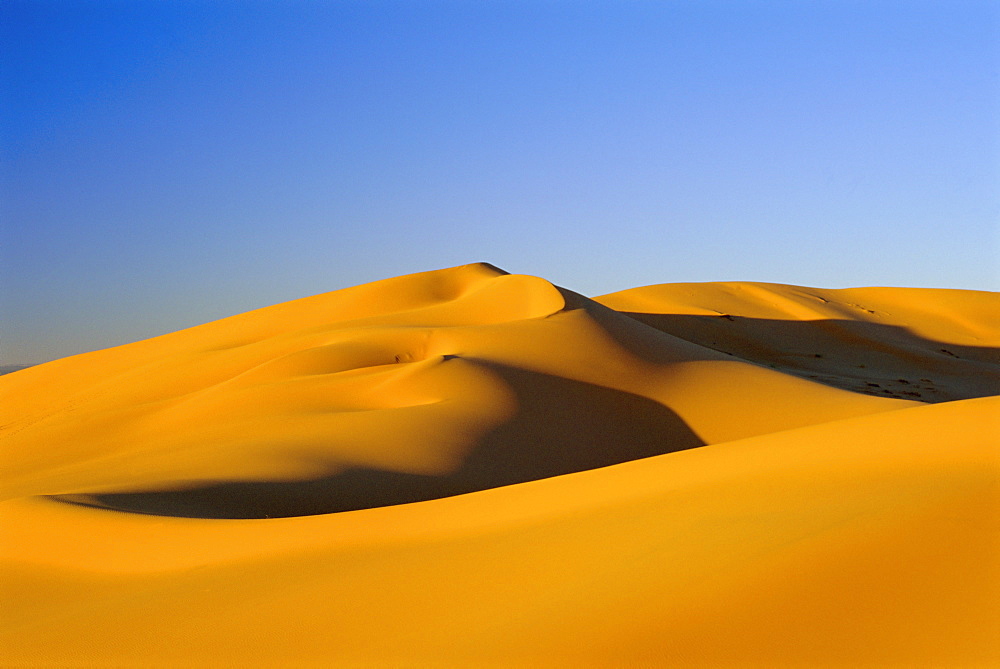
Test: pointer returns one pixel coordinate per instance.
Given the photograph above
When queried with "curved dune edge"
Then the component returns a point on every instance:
(467, 467)
(857, 541)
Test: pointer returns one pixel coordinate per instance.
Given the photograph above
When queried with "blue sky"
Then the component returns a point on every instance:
(169, 163)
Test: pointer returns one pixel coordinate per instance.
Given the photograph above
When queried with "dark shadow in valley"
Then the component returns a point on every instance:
(870, 358)
(561, 426)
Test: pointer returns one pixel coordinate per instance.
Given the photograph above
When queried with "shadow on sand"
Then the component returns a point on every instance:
(561, 426)
(870, 358)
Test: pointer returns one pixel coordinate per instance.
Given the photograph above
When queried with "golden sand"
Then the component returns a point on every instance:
(471, 468)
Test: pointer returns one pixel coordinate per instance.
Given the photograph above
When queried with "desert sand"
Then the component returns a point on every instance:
(466, 467)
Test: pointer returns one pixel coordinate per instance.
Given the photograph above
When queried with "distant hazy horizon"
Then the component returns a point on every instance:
(167, 164)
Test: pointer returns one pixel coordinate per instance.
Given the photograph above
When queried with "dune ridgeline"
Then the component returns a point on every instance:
(471, 468)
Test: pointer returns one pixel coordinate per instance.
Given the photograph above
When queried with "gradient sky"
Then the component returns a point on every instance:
(169, 163)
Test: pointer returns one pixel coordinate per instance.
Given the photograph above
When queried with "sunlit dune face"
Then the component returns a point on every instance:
(418, 400)
(303, 402)
(362, 416)
(425, 381)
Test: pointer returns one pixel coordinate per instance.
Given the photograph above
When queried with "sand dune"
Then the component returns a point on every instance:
(466, 467)
(930, 345)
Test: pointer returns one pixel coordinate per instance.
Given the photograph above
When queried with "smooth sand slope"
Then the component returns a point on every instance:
(470, 468)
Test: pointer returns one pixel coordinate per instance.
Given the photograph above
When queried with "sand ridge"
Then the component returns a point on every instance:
(467, 467)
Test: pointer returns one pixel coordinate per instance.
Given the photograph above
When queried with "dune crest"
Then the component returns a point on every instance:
(467, 466)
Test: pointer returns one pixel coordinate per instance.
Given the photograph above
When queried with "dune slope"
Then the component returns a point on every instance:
(466, 467)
